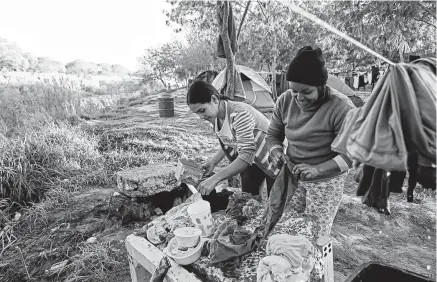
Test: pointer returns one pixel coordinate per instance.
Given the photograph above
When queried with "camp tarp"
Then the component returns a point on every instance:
(254, 89)
(339, 85)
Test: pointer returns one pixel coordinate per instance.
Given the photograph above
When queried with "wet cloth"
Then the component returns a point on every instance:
(318, 199)
(221, 247)
(399, 118)
(288, 259)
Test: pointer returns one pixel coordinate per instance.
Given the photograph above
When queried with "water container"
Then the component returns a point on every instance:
(166, 105)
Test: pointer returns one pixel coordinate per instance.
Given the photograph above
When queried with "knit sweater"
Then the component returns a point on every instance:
(309, 133)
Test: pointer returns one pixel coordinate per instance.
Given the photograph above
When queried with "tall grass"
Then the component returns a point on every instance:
(38, 145)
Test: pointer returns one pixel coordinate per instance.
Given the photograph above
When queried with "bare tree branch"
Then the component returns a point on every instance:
(242, 19)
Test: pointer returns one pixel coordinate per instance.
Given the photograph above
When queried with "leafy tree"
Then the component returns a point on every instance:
(119, 70)
(161, 63)
(11, 57)
(390, 27)
(81, 67)
(48, 65)
(393, 27)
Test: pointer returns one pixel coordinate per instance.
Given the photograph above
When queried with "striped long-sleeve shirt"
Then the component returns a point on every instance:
(243, 134)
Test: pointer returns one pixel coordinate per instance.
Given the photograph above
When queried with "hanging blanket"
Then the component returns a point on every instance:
(399, 118)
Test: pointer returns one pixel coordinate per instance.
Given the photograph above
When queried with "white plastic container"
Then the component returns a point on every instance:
(200, 214)
(187, 237)
(187, 257)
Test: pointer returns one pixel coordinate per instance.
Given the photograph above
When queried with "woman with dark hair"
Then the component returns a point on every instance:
(241, 130)
(309, 116)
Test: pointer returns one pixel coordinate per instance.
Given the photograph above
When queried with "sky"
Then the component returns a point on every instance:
(98, 31)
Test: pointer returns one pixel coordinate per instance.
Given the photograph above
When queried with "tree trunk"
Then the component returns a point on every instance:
(401, 56)
(275, 51)
(230, 60)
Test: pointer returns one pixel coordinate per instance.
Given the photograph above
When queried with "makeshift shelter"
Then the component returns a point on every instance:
(252, 88)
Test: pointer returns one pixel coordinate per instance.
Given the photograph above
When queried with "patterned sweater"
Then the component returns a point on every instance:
(309, 133)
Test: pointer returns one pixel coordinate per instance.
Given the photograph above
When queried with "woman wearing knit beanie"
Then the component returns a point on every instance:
(309, 116)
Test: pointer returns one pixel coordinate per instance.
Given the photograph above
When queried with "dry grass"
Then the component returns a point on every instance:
(92, 262)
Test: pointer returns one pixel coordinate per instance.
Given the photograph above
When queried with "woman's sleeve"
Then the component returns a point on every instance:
(340, 112)
(244, 124)
(276, 132)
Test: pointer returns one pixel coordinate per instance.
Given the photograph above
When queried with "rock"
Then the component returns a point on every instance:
(149, 180)
(57, 267)
(177, 201)
(91, 240)
(158, 211)
(17, 216)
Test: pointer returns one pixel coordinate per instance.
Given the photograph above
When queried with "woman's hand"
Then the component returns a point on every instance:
(209, 166)
(206, 186)
(306, 171)
(277, 157)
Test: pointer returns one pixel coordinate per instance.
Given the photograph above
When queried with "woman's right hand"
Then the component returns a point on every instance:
(277, 157)
(209, 166)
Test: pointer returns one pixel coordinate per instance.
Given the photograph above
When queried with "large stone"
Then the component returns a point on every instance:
(148, 180)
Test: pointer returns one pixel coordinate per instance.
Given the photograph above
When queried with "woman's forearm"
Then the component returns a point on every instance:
(218, 156)
(237, 166)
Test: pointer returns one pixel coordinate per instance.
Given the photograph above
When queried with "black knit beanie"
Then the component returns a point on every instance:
(308, 67)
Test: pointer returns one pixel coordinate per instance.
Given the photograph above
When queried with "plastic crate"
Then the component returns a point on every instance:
(378, 272)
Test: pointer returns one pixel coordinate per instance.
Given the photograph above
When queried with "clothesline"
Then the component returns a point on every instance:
(324, 24)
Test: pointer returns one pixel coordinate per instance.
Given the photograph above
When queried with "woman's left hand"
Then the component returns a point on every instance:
(206, 186)
(306, 171)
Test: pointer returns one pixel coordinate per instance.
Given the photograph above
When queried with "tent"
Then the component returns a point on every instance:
(253, 89)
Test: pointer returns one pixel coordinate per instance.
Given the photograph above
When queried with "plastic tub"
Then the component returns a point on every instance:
(184, 258)
(200, 214)
(378, 272)
(187, 237)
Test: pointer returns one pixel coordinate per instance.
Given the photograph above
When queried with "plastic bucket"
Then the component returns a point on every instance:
(166, 105)
(200, 214)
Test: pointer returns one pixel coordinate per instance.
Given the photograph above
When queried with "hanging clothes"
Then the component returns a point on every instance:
(375, 187)
(361, 81)
(399, 118)
(356, 83)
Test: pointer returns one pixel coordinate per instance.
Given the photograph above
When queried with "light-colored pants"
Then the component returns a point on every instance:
(319, 200)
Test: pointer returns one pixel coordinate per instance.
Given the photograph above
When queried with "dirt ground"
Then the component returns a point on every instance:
(405, 239)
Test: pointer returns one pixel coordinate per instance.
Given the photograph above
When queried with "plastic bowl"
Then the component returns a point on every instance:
(187, 237)
(187, 257)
